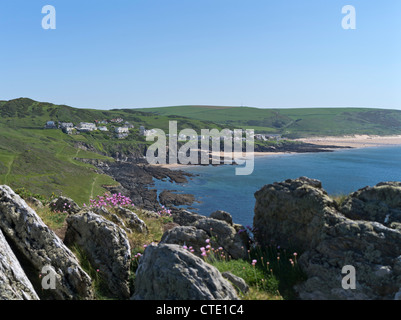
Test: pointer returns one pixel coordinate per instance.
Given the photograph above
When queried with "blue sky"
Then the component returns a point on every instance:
(150, 53)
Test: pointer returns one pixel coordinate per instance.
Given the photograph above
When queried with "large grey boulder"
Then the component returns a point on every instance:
(14, 284)
(169, 272)
(293, 212)
(186, 236)
(184, 217)
(224, 235)
(222, 215)
(298, 214)
(107, 247)
(132, 220)
(195, 229)
(42, 248)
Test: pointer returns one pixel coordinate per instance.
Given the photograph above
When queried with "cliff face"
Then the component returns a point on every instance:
(362, 232)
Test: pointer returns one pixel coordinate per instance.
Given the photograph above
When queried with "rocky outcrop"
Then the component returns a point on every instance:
(299, 214)
(222, 215)
(132, 221)
(64, 204)
(188, 236)
(195, 229)
(14, 284)
(225, 236)
(106, 246)
(380, 203)
(184, 217)
(169, 272)
(42, 248)
(136, 180)
(293, 213)
(35, 202)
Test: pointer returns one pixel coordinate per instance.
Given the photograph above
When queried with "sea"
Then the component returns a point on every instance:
(341, 172)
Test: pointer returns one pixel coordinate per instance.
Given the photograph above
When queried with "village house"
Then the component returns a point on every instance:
(63, 125)
(68, 130)
(103, 128)
(86, 126)
(121, 130)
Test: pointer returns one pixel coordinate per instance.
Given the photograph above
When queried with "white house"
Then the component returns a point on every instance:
(86, 126)
(103, 128)
(119, 130)
(64, 125)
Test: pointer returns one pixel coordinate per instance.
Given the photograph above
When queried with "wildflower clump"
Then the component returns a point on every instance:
(110, 201)
(164, 212)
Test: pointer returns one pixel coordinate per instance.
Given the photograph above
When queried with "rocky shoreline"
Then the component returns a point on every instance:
(361, 231)
(135, 175)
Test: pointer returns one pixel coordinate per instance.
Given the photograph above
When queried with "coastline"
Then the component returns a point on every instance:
(136, 178)
(354, 141)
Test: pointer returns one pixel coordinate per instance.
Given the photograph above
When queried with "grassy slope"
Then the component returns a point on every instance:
(296, 122)
(42, 161)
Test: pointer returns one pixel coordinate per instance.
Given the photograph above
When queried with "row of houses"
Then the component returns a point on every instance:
(68, 128)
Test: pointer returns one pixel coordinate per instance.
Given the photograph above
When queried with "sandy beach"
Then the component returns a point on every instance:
(357, 141)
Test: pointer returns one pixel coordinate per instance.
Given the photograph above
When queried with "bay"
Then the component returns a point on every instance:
(341, 172)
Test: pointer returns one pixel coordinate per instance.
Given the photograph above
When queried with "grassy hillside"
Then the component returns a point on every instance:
(43, 160)
(295, 122)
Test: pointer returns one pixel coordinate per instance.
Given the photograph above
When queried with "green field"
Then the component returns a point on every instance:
(297, 122)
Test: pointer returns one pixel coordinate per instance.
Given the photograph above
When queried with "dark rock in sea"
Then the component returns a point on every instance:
(298, 214)
(170, 199)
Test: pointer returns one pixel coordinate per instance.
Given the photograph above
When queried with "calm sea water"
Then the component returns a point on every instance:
(341, 172)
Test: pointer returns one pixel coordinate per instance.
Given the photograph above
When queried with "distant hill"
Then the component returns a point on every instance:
(297, 122)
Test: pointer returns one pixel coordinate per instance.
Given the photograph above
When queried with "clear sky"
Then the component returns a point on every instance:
(151, 53)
